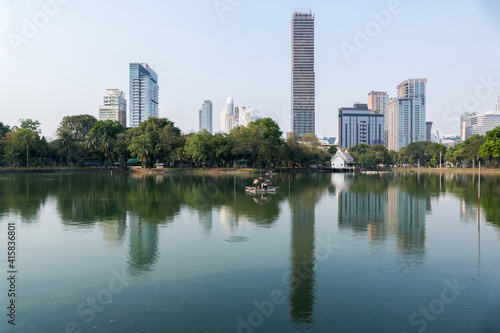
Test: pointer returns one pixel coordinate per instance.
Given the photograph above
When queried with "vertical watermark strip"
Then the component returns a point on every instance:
(11, 272)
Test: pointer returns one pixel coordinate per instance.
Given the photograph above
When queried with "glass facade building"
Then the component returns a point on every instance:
(360, 125)
(143, 93)
(227, 121)
(303, 74)
(406, 114)
(206, 112)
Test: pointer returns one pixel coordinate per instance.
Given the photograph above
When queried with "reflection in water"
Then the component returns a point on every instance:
(379, 207)
(306, 192)
(114, 231)
(143, 245)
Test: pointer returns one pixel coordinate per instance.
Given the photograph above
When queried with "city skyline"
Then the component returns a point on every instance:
(263, 80)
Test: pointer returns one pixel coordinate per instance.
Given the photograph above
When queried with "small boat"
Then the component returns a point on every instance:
(261, 185)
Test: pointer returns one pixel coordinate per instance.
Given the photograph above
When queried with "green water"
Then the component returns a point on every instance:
(178, 253)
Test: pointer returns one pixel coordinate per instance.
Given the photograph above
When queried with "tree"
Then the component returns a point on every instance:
(141, 147)
(73, 130)
(491, 147)
(4, 129)
(162, 138)
(198, 147)
(332, 150)
(103, 134)
(26, 137)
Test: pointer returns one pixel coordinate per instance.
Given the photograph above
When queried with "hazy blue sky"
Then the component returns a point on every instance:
(206, 49)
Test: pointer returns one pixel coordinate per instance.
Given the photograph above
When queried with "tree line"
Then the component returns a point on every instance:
(83, 140)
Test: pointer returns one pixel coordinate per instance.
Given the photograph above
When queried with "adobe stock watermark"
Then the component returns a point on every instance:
(225, 6)
(98, 302)
(266, 308)
(372, 29)
(486, 88)
(31, 26)
(437, 306)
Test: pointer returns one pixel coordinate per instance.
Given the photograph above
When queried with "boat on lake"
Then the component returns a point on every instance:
(261, 185)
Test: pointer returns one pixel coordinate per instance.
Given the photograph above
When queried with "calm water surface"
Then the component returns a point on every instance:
(180, 253)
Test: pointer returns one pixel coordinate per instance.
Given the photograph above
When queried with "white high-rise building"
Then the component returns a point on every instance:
(248, 115)
(479, 123)
(406, 114)
(227, 116)
(114, 107)
(206, 116)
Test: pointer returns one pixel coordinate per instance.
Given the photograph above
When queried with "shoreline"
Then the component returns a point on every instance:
(229, 171)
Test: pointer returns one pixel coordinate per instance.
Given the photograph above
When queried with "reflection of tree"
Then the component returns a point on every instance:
(306, 191)
(23, 194)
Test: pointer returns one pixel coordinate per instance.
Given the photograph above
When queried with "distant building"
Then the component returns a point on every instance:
(428, 130)
(205, 116)
(479, 123)
(342, 161)
(227, 116)
(303, 74)
(406, 114)
(114, 107)
(360, 125)
(248, 115)
(465, 125)
(449, 140)
(143, 93)
(377, 102)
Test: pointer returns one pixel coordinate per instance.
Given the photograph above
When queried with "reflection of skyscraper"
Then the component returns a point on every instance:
(114, 230)
(362, 211)
(143, 244)
(302, 276)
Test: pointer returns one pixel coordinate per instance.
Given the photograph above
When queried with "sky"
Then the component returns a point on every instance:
(58, 57)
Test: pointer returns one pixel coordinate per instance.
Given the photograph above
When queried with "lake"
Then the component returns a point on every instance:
(100, 252)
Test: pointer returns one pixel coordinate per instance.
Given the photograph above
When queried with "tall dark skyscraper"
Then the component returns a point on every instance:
(303, 75)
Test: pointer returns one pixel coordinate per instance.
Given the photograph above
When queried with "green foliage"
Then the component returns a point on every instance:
(155, 139)
(491, 147)
(421, 153)
(4, 129)
(332, 150)
(366, 155)
(467, 152)
(198, 147)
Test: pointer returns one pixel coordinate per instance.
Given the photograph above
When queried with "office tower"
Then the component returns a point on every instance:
(143, 93)
(227, 116)
(478, 123)
(206, 116)
(406, 114)
(114, 107)
(428, 130)
(377, 102)
(360, 125)
(303, 75)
